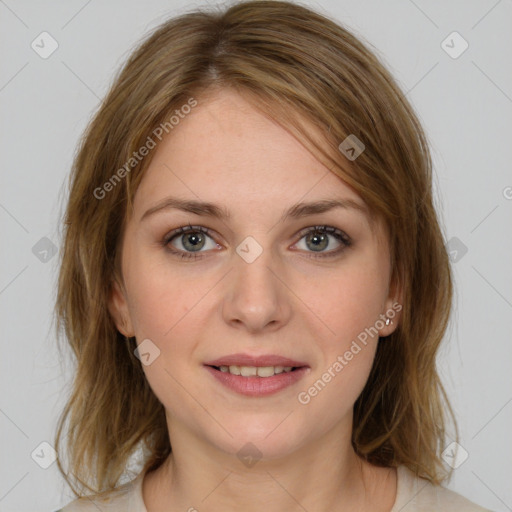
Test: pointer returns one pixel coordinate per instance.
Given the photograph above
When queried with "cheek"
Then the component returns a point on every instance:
(348, 301)
(351, 304)
(349, 307)
(160, 299)
(166, 309)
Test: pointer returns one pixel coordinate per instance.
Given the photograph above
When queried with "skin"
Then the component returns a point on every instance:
(286, 302)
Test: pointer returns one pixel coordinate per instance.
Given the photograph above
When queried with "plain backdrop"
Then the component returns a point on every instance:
(464, 99)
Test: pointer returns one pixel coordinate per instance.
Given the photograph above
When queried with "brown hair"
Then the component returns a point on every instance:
(298, 67)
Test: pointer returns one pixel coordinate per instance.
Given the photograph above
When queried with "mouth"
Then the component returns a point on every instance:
(250, 361)
(256, 376)
(263, 372)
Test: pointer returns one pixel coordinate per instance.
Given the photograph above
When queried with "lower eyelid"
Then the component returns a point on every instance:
(336, 233)
(329, 253)
(174, 236)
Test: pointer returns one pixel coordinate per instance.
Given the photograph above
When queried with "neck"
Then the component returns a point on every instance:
(326, 476)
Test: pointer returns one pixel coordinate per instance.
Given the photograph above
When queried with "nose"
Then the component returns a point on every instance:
(256, 296)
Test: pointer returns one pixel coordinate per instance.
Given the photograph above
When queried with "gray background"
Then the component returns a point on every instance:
(465, 104)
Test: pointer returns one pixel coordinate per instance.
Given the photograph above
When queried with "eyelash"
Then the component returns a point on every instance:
(336, 233)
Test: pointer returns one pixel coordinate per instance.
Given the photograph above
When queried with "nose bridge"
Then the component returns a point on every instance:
(255, 297)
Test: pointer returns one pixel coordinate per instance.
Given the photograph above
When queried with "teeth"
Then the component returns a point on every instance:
(234, 370)
(265, 371)
(253, 371)
(248, 371)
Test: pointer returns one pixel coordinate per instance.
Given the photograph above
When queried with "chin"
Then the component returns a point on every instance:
(261, 436)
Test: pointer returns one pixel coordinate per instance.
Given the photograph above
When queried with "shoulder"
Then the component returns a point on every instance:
(126, 498)
(418, 495)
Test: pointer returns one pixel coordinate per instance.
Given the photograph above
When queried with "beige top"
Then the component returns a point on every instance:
(413, 494)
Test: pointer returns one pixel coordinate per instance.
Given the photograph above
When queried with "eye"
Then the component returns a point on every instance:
(316, 239)
(190, 238)
(186, 241)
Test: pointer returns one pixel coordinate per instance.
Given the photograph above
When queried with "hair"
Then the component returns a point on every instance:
(304, 71)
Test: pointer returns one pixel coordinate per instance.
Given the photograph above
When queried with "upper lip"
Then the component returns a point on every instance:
(248, 360)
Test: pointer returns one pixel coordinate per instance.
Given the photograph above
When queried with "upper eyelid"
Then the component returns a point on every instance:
(324, 227)
(182, 230)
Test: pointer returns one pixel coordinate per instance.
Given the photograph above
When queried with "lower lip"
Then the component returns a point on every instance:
(258, 386)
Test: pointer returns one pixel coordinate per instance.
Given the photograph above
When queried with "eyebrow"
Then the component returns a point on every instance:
(207, 209)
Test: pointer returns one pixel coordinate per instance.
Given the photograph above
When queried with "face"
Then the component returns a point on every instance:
(261, 286)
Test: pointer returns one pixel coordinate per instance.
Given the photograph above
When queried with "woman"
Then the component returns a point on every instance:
(254, 280)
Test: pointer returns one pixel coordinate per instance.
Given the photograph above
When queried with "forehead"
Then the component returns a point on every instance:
(227, 151)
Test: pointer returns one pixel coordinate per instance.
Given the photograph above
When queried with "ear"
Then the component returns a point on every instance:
(392, 308)
(118, 308)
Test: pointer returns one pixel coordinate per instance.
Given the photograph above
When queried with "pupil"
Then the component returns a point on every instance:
(317, 239)
(193, 240)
